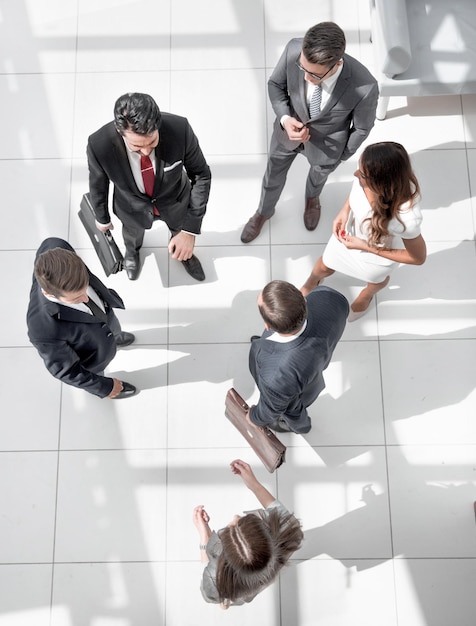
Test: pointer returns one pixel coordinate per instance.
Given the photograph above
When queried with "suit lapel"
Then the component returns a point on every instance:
(108, 296)
(159, 169)
(303, 96)
(67, 314)
(122, 158)
(301, 108)
(339, 88)
(120, 152)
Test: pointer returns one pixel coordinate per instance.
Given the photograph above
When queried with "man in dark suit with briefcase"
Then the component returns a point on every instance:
(158, 171)
(288, 359)
(72, 324)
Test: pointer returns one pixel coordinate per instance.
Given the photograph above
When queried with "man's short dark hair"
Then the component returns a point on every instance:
(283, 307)
(137, 112)
(324, 44)
(59, 271)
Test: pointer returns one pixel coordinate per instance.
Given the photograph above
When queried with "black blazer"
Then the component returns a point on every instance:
(75, 346)
(289, 375)
(182, 181)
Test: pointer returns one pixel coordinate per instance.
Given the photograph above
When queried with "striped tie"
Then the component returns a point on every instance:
(315, 105)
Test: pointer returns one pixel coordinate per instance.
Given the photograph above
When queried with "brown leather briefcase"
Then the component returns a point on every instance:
(263, 441)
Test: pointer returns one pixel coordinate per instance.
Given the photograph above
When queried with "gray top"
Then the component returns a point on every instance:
(214, 548)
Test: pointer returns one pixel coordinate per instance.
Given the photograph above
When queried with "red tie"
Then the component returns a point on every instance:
(148, 177)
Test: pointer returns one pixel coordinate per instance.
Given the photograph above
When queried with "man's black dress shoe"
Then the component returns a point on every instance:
(124, 339)
(132, 266)
(194, 268)
(128, 391)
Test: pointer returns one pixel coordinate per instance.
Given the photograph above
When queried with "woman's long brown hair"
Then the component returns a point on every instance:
(388, 173)
(253, 552)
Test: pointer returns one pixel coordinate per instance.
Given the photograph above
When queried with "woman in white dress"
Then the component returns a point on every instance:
(377, 228)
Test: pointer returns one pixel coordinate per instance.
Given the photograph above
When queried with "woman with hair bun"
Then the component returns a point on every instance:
(246, 556)
(377, 228)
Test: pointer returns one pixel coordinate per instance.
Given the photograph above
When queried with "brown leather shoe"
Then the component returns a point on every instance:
(312, 213)
(253, 227)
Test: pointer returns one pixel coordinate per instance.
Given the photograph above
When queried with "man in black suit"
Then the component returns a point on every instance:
(71, 321)
(158, 171)
(325, 103)
(288, 359)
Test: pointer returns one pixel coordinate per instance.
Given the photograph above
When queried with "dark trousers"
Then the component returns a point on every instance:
(133, 238)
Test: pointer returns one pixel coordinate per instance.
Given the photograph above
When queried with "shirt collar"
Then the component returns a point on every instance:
(136, 155)
(286, 339)
(80, 306)
(328, 83)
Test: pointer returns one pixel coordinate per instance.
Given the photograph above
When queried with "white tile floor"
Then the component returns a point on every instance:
(96, 497)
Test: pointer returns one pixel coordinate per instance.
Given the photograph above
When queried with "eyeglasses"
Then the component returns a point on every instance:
(316, 76)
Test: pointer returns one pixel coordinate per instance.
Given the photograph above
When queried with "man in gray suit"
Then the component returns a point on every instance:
(325, 103)
(288, 359)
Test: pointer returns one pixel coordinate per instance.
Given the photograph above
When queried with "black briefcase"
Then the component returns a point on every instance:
(106, 248)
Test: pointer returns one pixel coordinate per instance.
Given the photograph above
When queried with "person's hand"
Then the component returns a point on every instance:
(340, 220)
(181, 246)
(296, 130)
(353, 243)
(103, 228)
(248, 420)
(265, 498)
(117, 388)
(244, 470)
(339, 224)
(201, 519)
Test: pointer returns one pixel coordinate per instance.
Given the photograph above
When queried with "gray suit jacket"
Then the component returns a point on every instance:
(346, 119)
(289, 375)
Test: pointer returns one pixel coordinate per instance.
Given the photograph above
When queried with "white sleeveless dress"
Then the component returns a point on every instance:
(367, 266)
